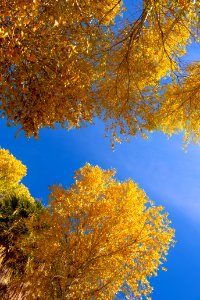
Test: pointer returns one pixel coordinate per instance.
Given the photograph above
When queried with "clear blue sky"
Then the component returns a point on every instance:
(168, 175)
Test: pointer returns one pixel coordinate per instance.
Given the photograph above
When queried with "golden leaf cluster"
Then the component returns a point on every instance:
(93, 238)
(47, 60)
(181, 106)
(11, 173)
(146, 55)
(69, 61)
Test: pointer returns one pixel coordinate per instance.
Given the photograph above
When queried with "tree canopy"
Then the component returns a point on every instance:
(69, 61)
(16, 205)
(94, 239)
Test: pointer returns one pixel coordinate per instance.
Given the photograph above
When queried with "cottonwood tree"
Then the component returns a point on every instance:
(96, 238)
(145, 55)
(16, 205)
(67, 62)
(50, 58)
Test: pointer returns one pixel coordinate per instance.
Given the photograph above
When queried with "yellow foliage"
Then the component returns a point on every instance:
(67, 62)
(181, 106)
(149, 52)
(11, 173)
(94, 237)
(47, 57)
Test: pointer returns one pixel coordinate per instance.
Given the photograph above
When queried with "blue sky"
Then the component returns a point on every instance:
(169, 176)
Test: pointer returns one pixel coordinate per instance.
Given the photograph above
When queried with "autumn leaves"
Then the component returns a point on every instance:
(68, 62)
(92, 240)
(49, 61)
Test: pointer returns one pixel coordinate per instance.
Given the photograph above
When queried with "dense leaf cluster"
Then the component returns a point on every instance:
(69, 61)
(94, 239)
